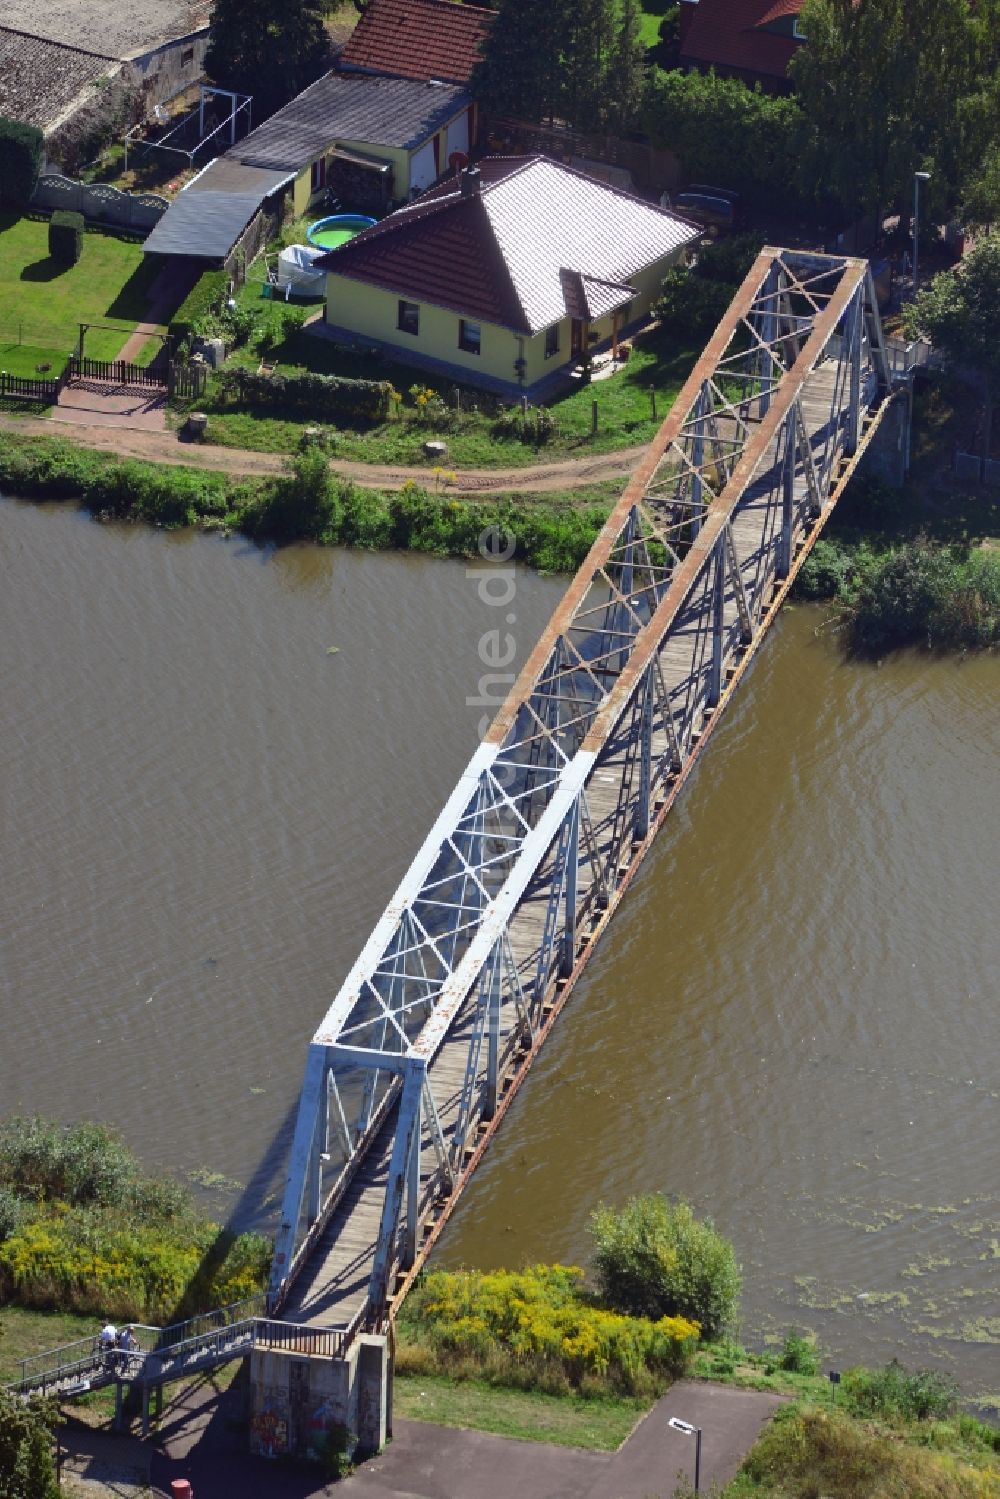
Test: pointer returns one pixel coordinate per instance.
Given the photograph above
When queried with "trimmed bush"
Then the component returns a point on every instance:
(320, 397)
(654, 1258)
(205, 297)
(21, 152)
(66, 236)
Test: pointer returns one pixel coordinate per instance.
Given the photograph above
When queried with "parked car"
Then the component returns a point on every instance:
(715, 208)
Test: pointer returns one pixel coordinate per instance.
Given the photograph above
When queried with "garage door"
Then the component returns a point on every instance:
(458, 135)
(423, 169)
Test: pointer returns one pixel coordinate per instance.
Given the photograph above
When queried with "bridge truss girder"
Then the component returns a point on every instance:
(621, 689)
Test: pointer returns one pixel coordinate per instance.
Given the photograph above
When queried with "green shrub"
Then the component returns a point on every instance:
(66, 236)
(27, 1468)
(79, 1164)
(301, 505)
(808, 1453)
(21, 153)
(690, 306)
(205, 297)
(11, 1212)
(799, 1355)
(654, 1258)
(534, 1327)
(319, 397)
(826, 571)
(922, 594)
(893, 1393)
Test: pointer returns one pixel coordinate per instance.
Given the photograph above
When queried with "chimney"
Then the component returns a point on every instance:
(471, 186)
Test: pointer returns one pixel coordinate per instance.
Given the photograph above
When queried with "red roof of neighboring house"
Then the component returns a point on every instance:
(731, 34)
(418, 39)
(536, 242)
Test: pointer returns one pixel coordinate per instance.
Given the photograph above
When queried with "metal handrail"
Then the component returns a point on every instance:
(167, 1359)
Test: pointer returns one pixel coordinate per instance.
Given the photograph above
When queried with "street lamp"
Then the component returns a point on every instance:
(690, 1431)
(918, 177)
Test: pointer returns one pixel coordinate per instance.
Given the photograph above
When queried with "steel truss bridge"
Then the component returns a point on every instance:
(437, 1023)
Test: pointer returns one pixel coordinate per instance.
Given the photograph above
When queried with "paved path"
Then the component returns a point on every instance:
(201, 1441)
(133, 407)
(126, 440)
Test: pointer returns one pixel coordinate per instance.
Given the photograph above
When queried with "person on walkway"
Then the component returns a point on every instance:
(107, 1339)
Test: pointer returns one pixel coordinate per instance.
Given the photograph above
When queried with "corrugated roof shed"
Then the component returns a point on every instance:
(116, 28)
(538, 241)
(205, 224)
(393, 112)
(418, 39)
(731, 34)
(40, 79)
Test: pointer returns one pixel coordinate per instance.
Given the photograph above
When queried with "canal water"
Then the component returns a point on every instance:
(215, 763)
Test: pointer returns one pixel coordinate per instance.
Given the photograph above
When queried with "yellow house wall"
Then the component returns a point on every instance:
(398, 158)
(301, 191)
(371, 312)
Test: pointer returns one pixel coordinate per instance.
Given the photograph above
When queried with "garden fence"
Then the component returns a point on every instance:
(99, 203)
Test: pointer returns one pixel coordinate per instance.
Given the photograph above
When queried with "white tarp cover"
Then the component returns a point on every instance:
(295, 271)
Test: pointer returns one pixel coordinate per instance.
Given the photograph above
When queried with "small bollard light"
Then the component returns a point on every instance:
(834, 1382)
(690, 1431)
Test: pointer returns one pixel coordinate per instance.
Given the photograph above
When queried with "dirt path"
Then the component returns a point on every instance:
(167, 447)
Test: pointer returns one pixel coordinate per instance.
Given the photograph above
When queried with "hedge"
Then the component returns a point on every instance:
(323, 397)
(205, 296)
(21, 152)
(66, 236)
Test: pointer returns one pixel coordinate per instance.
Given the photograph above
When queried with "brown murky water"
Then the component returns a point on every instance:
(793, 1020)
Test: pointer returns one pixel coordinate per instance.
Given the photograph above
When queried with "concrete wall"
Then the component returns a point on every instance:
(164, 71)
(299, 1401)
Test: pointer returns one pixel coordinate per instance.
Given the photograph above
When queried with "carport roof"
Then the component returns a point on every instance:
(204, 224)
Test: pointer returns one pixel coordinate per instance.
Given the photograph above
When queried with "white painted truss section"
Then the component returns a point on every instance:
(535, 841)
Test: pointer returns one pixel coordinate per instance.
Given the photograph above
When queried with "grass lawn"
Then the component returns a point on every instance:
(568, 1420)
(42, 302)
(659, 364)
(24, 1333)
(24, 359)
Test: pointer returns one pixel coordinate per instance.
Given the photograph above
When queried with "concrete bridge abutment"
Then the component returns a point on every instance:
(310, 1405)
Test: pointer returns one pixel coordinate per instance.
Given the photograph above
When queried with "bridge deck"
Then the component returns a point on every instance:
(333, 1285)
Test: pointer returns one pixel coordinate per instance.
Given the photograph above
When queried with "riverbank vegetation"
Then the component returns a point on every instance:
(660, 1277)
(307, 503)
(83, 1229)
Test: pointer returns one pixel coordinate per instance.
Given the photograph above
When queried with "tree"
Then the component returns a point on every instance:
(980, 207)
(655, 1259)
(21, 152)
(267, 49)
(520, 73)
(960, 313)
(628, 70)
(724, 132)
(890, 86)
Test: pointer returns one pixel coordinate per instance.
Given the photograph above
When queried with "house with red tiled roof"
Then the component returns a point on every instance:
(504, 274)
(418, 39)
(750, 39)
